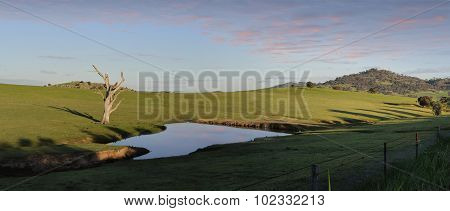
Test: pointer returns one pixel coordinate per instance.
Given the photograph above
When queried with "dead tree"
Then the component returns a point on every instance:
(110, 95)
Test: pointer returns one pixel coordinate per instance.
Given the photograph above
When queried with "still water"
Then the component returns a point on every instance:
(184, 138)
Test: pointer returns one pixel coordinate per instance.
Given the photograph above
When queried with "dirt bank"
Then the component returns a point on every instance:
(41, 163)
(272, 126)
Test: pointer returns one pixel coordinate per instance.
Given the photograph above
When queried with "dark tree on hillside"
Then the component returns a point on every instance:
(310, 84)
(437, 108)
(425, 101)
(372, 91)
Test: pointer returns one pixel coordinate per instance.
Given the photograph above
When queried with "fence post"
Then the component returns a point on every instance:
(417, 145)
(329, 180)
(315, 177)
(385, 163)
(438, 134)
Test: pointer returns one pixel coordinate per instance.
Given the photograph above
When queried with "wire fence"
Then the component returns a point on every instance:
(400, 145)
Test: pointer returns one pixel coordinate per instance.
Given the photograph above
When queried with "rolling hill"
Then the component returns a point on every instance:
(383, 81)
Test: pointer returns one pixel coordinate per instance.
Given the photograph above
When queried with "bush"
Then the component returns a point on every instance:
(443, 100)
(309, 84)
(372, 91)
(437, 108)
(425, 101)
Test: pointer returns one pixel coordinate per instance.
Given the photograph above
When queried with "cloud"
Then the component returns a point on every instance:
(57, 57)
(159, 56)
(20, 81)
(277, 28)
(48, 72)
(429, 70)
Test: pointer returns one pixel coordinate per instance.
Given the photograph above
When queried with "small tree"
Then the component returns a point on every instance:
(425, 101)
(110, 96)
(309, 84)
(372, 91)
(437, 108)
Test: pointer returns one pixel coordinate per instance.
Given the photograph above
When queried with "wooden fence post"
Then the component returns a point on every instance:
(417, 145)
(438, 134)
(385, 163)
(329, 180)
(315, 177)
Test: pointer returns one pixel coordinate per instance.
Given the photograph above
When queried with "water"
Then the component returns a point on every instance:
(184, 138)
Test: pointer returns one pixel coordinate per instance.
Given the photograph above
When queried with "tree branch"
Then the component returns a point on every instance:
(100, 93)
(119, 86)
(98, 71)
(117, 106)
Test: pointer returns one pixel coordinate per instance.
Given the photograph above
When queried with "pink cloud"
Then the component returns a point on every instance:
(245, 36)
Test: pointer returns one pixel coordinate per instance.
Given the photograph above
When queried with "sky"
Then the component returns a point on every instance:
(46, 41)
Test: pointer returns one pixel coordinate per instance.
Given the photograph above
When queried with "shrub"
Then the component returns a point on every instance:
(443, 100)
(372, 91)
(437, 108)
(337, 87)
(309, 84)
(425, 101)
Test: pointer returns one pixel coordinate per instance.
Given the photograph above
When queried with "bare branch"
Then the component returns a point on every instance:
(98, 71)
(100, 92)
(117, 106)
(119, 86)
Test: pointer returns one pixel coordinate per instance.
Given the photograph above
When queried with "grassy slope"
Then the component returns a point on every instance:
(436, 94)
(36, 119)
(325, 105)
(433, 167)
(41, 119)
(234, 166)
(225, 167)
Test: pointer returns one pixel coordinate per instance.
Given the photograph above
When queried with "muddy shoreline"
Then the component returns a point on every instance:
(291, 128)
(48, 162)
(42, 163)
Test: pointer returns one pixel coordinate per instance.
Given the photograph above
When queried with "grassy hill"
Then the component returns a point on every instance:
(61, 120)
(82, 85)
(281, 163)
(64, 116)
(387, 82)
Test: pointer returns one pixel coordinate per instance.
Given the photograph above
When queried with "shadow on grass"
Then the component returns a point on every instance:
(17, 159)
(117, 134)
(400, 104)
(396, 110)
(384, 113)
(75, 112)
(350, 120)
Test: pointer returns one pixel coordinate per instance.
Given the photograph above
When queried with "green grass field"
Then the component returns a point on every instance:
(61, 120)
(435, 94)
(281, 163)
(431, 169)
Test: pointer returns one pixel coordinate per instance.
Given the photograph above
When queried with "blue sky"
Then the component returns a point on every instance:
(220, 35)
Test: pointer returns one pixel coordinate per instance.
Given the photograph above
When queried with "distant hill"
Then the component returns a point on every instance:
(383, 81)
(82, 85)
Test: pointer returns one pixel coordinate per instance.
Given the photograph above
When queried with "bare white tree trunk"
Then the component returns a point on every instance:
(110, 96)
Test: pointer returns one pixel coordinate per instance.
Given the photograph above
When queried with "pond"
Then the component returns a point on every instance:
(184, 138)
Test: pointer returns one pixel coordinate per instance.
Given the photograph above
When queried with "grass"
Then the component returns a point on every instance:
(432, 167)
(51, 119)
(435, 94)
(281, 163)
(60, 120)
